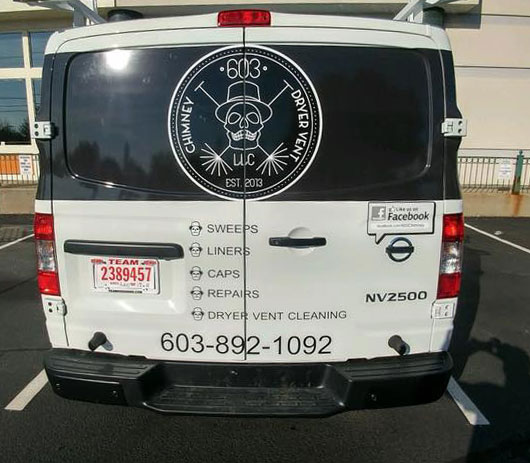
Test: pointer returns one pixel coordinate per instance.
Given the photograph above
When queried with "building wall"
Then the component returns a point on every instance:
(491, 47)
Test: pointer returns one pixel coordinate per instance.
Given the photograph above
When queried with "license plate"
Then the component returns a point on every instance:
(118, 274)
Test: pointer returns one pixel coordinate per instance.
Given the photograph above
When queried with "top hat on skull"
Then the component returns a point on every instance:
(243, 115)
(196, 273)
(195, 249)
(195, 228)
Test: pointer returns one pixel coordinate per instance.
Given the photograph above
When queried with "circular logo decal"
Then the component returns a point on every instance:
(245, 122)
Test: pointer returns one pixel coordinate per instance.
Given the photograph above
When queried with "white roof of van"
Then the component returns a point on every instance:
(373, 32)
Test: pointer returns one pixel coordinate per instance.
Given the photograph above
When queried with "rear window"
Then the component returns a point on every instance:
(376, 117)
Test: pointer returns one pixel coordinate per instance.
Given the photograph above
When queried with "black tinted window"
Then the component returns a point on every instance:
(376, 116)
(116, 116)
(375, 107)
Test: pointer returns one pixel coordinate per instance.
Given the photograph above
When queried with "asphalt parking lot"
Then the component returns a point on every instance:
(491, 348)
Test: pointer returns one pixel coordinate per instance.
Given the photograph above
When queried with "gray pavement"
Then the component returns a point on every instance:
(491, 347)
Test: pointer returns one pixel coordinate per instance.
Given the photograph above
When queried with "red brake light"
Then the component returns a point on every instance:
(233, 18)
(43, 226)
(453, 227)
(449, 285)
(48, 283)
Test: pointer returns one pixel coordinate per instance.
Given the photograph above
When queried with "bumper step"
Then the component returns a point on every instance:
(244, 401)
(311, 389)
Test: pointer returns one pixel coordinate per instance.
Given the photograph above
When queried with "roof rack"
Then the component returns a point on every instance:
(413, 10)
(85, 12)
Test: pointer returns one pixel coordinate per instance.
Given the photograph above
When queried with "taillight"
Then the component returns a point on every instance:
(451, 256)
(47, 276)
(235, 18)
(453, 227)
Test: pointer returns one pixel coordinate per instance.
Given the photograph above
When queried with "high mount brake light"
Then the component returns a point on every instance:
(47, 276)
(451, 256)
(235, 18)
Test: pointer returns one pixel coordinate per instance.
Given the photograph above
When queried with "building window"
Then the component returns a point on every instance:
(21, 61)
(36, 93)
(37, 43)
(14, 125)
(11, 55)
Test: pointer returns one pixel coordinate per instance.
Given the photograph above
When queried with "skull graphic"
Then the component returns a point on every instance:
(196, 273)
(197, 314)
(243, 115)
(243, 122)
(195, 228)
(195, 249)
(196, 293)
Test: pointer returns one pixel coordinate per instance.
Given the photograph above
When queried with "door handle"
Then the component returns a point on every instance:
(287, 242)
(165, 251)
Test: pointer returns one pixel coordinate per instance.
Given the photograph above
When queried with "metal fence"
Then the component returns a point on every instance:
(476, 173)
(525, 175)
(495, 174)
(19, 169)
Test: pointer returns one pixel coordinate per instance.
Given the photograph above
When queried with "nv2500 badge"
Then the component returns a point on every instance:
(245, 122)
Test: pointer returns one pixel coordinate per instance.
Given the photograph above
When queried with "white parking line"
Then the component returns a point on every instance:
(26, 395)
(466, 406)
(11, 243)
(509, 243)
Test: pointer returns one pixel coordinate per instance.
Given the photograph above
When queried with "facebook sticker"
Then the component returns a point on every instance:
(400, 219)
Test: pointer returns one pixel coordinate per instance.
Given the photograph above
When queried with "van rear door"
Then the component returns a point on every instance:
(137, 238)
(344, 216)
(284, 185)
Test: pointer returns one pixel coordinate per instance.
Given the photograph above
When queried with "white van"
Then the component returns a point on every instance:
(249, 213)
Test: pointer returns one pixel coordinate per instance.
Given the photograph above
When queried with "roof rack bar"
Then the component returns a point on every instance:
(83, 14)
(414, 8)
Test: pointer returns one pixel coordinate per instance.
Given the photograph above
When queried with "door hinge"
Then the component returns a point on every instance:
(454, 127)
(443, 310)
(43, 130)
(54, 305)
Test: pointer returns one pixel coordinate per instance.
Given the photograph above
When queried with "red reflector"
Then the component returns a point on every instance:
(232, 18)
(453, 227)
(43, 226)
(48, 283)
(449, 285)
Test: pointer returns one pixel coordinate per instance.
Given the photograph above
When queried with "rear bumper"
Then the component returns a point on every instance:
(314, 389)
